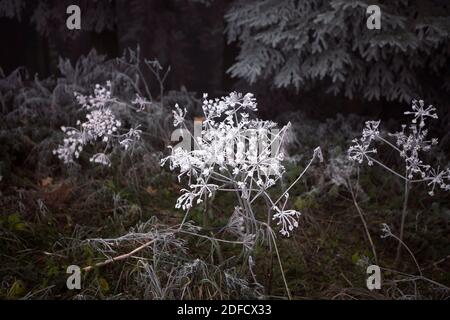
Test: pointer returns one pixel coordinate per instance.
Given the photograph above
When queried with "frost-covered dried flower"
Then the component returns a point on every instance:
(72, 145)
(101, 97)
(185, 200)
(440, 179)
(178, 115)
(222, 151)
(101, 126)
(421, 113)
(410, 143)
(141, 102)
(101, 158)
(234, 153)
(127, 139)
(371, 131)
(287, 219)
(385, 231)
(361, 151)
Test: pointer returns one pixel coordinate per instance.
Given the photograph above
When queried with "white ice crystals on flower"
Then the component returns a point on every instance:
(235, 153)
(409, 143)
(178, 115)
(421, 113)
(141, 102)
(101, 126)
(287, 219)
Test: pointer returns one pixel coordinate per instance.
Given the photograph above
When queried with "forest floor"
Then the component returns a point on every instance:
(43, 225)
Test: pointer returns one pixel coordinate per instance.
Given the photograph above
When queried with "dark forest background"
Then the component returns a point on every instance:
(197, 40)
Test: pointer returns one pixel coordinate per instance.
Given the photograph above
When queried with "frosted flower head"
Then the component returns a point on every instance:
(410, 143)
(360, 151)
(101, 97)
(178, 115)
(140, 102)
(230, 145)
(371, 131)
(185, 201)
(101, 158)
(440, 179)
(420, 112)
(231, 104)
(287, 219)
(385, 231)
(101, 126)
(235, 152)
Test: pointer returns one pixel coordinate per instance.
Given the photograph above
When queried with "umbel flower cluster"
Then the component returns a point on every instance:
(234, 153)
(410, 143)
(101, 126)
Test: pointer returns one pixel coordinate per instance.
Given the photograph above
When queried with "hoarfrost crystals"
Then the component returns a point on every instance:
(410, 143)
(235, 153)
(101, 126)
(287, 219)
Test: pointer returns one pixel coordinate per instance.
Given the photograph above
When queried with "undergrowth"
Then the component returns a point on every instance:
(53, 215)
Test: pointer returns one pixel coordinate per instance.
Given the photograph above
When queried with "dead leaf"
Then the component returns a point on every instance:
(151, 191)
(46, 182)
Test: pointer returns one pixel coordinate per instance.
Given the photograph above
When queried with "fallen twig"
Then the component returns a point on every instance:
(121, 257)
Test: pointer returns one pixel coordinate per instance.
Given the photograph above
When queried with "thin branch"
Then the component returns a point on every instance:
(366, 228)
(118, 258)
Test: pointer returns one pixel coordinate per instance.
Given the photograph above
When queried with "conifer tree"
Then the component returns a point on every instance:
(305, 43)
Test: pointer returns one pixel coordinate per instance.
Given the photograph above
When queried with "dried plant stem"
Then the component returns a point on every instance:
(366, 228)
(121, 257)
(176, 229)
(401, 243)
(280, 264)
(387, 168)
(297, 180)
(414, 278)
(270, 267)
(402, 223)
(184, 220)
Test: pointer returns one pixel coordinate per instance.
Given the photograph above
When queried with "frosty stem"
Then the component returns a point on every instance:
(361, 215)
(402, 223)
(299, 177)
